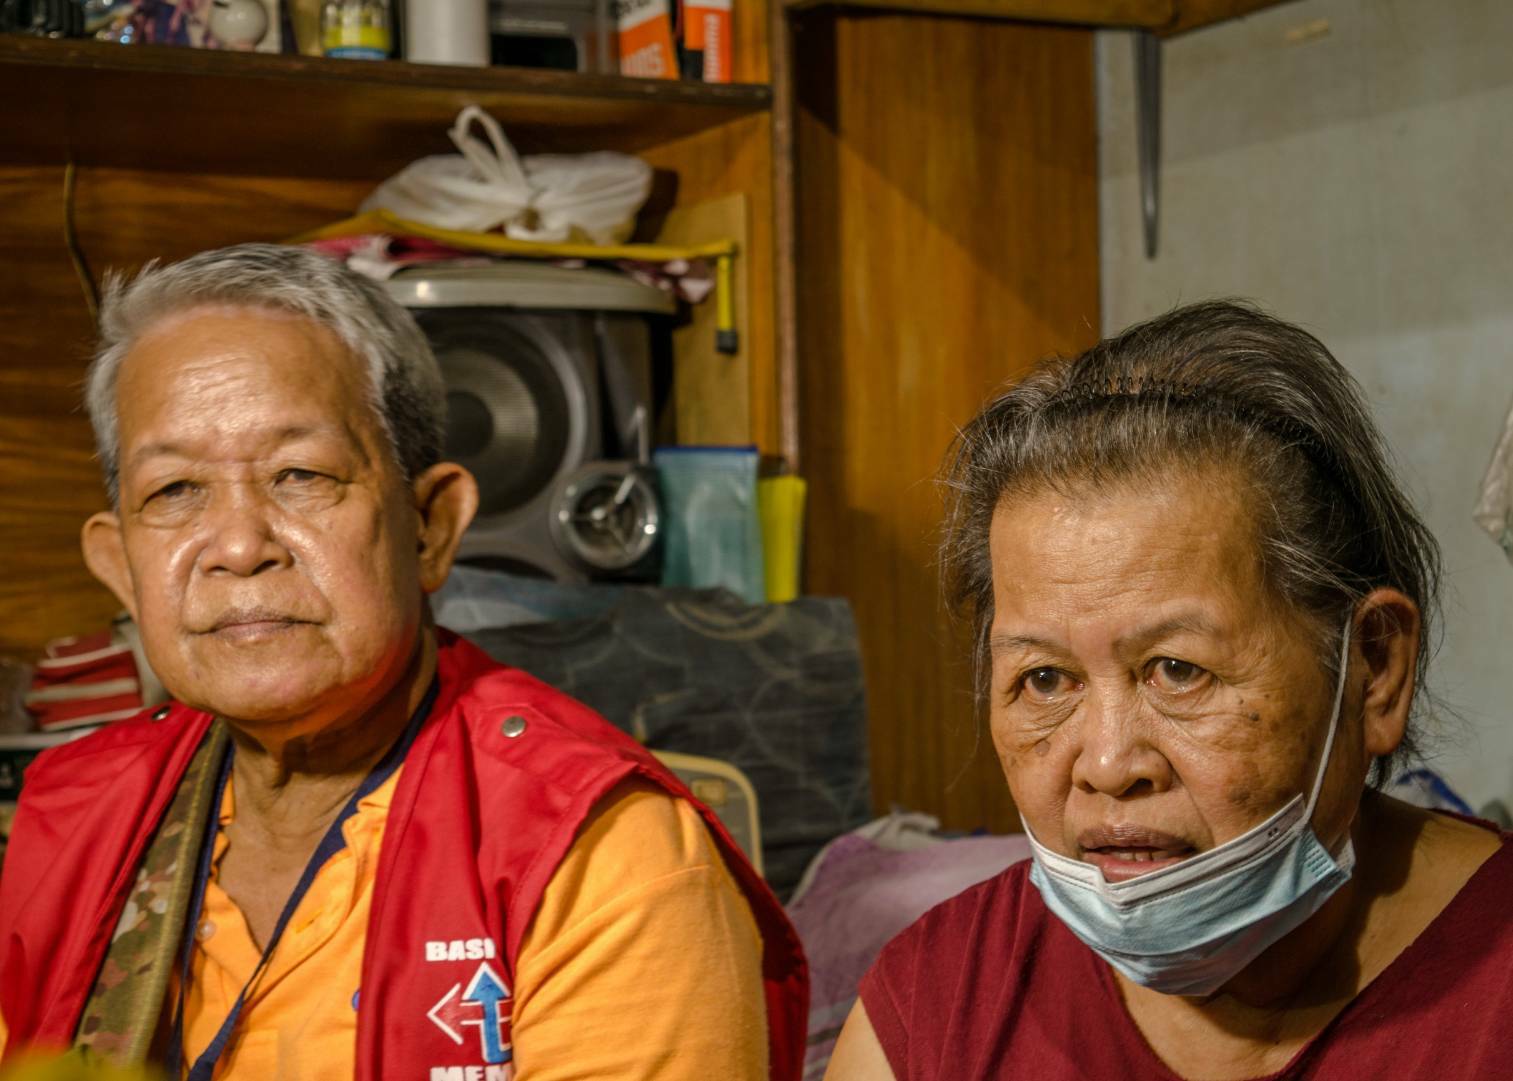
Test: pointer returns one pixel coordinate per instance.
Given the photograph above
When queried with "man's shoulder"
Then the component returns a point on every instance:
(100, 754)
(500, 704)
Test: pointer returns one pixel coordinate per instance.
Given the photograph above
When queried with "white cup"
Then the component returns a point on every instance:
(447, 32)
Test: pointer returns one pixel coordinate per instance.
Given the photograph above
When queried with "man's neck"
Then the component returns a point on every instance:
(291, 780)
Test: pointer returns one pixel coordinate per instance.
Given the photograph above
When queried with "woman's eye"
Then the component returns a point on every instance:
(1170, 674)
(1045, 683)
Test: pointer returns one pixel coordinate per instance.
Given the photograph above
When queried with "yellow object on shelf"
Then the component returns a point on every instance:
(723, 252)
(780, 503)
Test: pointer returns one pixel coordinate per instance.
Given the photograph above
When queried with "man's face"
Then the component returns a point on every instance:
(270, 542)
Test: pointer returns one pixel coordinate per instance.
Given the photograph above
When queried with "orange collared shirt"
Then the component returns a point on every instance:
(641, 911)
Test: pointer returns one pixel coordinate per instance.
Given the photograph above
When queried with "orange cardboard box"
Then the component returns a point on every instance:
(645, 29)
(706, 37)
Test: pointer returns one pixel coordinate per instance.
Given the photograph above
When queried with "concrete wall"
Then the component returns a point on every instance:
(1349, 164)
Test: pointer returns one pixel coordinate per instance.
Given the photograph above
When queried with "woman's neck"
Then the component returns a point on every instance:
(1287, 995)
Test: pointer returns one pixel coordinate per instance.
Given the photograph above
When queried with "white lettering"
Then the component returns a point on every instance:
(475, 1073)
(497, 1073)
(446, 1073)
(462, 949)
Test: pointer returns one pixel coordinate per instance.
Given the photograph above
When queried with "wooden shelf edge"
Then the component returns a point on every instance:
(196, 110)
(1164, 17)
(97, 56)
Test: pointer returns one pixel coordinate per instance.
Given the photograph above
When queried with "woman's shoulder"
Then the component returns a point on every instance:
(948, 997)
(981, 935)
(995, 906)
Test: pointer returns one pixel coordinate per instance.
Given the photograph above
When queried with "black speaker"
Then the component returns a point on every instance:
(549, 394)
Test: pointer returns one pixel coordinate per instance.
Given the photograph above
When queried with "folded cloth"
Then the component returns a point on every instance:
(864, 888)
(84, 680)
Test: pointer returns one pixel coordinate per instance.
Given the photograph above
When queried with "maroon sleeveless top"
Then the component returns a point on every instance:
(990, 984)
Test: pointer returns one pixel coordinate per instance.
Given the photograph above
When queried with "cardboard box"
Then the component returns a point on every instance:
(645, 32)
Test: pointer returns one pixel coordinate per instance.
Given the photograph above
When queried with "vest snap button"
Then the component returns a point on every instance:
(161, 713)
(512, 726)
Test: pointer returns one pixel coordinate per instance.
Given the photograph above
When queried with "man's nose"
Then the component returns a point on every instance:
(241, 538)
(1116, 756)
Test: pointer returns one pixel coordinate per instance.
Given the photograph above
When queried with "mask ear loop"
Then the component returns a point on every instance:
(1334, 722)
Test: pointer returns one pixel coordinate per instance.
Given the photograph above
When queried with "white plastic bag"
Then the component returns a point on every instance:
(548, 197)
(1494, 508)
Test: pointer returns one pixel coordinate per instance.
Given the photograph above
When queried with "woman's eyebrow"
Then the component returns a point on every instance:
(1190, 623)
(1002, 643)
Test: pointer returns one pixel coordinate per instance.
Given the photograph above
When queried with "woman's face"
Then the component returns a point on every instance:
(1151, 698)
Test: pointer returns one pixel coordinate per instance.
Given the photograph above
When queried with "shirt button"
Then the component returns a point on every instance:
(206, 930)
(513, 726)
(161, 713)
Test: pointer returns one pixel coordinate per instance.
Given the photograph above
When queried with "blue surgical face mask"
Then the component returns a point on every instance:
(1190, 928)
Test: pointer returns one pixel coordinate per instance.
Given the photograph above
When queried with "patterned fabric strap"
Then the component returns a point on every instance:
(122, 1016)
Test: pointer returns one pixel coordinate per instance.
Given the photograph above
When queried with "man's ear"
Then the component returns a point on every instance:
(1386, 639)
(446, 498)
(105, 556)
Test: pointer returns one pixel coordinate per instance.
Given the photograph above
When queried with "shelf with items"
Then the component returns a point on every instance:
(189, 110)
(175, 150)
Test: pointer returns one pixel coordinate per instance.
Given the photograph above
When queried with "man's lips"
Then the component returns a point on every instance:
(252, 622)
(1123, 852)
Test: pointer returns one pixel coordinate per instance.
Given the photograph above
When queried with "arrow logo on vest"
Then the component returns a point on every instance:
(484, 1003)
(488, 991)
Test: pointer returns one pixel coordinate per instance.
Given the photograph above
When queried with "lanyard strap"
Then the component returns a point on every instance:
(332, 843)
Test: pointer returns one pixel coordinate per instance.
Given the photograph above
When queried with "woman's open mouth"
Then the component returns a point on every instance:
(1119, 864)
(1125, 852)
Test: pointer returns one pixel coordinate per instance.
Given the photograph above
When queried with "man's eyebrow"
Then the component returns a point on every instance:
(169, 448)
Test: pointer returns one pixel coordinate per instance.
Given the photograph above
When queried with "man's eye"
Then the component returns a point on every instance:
(1045, 683)
(172, 491)
(1170, 674)
(297, 476)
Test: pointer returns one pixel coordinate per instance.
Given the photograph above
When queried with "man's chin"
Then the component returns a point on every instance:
(258, 694)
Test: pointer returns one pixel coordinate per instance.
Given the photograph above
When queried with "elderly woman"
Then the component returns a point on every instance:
(1201, 606)
(352, 846)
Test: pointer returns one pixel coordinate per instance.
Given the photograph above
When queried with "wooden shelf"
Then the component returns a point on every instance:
(195, 110)
(1165, 17)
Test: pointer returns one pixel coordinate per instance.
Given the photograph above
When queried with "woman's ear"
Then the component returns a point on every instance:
(105, 556)
(1386, 635)
(446, 498)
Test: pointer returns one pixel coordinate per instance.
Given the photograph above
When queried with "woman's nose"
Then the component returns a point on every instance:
(1116, 756)
(240, 537)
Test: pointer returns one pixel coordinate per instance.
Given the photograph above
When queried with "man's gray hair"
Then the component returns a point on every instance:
(1219, 382)
(404, 381)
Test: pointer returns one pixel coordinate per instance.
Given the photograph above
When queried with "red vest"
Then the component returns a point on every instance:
(479, 822)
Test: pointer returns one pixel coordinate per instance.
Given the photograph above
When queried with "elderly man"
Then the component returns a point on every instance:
(352, 846)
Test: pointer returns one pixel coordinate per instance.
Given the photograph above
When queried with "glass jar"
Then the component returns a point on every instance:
(356, 29)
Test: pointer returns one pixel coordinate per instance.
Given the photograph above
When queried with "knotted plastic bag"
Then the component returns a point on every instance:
(551, 198)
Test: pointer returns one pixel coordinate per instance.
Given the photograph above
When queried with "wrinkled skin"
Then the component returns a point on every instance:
(1151, 697)
(265, 541)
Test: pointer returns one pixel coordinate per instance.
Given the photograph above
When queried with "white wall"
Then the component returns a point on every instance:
(1360, 182)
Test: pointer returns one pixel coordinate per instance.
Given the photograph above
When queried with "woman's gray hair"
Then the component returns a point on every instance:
(1217, 382)
(404, 381)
